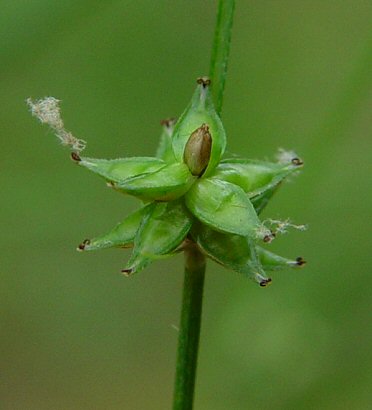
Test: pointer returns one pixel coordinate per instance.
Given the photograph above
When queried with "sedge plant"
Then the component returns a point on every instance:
(192, 199)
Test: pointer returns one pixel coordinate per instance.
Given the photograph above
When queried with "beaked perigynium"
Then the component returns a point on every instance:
(189, 192)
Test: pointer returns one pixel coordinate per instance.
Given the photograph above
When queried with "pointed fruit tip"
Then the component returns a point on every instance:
(300, 261)
(82, 246)
(269, 237)
(265, 282)
(75, 157)
(168, 122)
(127, 272)
(297, 161)
(204, 81)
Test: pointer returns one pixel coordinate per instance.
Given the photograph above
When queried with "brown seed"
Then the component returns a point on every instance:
(198, 150)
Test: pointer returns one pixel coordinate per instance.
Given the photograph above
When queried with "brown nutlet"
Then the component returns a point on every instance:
(198, 150)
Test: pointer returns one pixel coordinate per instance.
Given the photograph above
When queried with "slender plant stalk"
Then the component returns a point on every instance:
(221, 50)
(188, 341)
(190, 328)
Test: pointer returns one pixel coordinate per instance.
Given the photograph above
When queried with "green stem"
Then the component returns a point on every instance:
(190, 328)
(188, 341)
(221, 50)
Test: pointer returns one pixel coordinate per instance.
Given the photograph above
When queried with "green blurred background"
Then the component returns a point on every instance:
(76, 334)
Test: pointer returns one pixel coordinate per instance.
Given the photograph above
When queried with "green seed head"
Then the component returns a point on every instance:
(189, 193)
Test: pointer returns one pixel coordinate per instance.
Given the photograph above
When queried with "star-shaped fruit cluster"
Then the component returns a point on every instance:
(188, 192)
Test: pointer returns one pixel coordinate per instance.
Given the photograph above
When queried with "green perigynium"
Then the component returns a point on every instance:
(189, 193)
